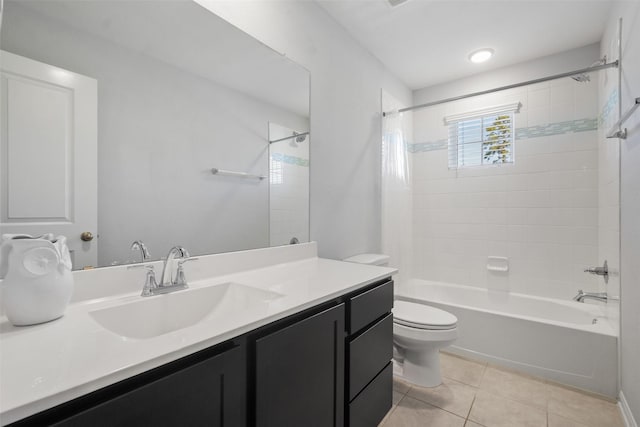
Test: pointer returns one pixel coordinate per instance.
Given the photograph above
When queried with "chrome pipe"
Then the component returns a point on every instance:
(598, 296)
(616, 130)
(511, 86)
(290, 137)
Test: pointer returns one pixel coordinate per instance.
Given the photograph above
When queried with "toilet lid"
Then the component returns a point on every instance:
(422, 316)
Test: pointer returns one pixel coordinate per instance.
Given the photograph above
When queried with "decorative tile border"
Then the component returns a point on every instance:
(423, 147)
(558, 128)
(291, 160)
(608, 107)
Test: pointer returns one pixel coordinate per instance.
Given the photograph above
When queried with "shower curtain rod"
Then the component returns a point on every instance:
(511, 86)
(289, 137)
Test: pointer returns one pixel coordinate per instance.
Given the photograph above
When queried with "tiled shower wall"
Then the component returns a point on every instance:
(541, 211)
(288, 187)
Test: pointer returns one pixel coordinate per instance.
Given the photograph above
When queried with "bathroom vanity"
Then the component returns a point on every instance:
(293, 340)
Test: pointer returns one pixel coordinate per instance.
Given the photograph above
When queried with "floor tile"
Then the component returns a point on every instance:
(400, 385)
(414, 413)
(558, 421)
(514, 386)
(450, 395)
(470, 423)
(461, 370)
(588, 410)
(496, 411)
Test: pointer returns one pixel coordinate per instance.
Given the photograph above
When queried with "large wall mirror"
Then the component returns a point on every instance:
(116, 114)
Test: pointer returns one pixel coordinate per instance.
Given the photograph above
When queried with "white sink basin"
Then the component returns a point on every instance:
(149, 317)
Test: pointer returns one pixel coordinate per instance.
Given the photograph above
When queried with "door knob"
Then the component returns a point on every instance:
(86, 236)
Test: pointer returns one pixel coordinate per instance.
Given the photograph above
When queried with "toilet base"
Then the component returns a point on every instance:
(422, 368)
(420, 352)
(398, 369)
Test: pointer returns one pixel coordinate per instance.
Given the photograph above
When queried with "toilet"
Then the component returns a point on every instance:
(419, 332)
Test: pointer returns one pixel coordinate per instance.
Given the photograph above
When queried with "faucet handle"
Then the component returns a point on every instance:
(600, 271)
(181, 280)
(150, 281)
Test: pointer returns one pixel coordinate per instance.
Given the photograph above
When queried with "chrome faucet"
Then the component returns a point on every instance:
(166, 279)
(139, 245)
(151, 287)
(598, 296)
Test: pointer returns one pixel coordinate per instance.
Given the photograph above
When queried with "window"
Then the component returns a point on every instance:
(276, 171)
(481, 138)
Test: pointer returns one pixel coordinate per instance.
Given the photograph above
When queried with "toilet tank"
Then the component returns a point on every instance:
(369, 259)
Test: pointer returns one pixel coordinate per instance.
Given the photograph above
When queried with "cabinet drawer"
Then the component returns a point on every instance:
(370, 305)
(369, 353)
(370, 407)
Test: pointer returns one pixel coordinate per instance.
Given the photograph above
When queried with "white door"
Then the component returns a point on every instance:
(48, 154)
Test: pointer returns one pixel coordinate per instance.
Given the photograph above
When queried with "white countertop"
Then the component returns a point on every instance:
(45, 365)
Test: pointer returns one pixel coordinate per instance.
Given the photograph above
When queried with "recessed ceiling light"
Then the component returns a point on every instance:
(481, 55)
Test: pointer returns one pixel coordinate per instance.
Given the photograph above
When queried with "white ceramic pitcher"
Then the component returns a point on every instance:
(38, 282)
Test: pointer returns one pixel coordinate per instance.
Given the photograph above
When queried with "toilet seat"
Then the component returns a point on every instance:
(420, 316)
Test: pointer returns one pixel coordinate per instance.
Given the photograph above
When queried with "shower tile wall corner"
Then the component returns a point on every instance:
(609, 177)
(541, 211)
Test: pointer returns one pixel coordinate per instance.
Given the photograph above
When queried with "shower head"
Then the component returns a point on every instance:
(298, 138)
(584, 77)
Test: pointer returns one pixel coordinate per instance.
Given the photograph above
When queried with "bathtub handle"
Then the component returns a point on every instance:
(600, 271)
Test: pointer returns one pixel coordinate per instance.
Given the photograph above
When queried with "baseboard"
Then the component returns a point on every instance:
(627, 416)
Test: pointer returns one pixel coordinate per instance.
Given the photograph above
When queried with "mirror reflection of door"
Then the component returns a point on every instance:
(288, 185)
(49, 154)
(173, 103)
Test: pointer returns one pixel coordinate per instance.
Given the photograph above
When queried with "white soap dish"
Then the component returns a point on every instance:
(498, 263)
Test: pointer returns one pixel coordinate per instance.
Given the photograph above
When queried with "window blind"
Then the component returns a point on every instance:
(481, 138)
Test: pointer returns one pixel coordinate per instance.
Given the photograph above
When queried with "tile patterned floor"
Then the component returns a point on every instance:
(476, 394)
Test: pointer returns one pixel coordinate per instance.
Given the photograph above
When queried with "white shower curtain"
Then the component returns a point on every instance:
(395, 156)
(397, 218)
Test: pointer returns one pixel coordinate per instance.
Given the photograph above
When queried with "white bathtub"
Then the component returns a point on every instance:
(565, 341)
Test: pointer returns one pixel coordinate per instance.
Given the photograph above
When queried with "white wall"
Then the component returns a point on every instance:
(629, 200)
(345, 116)
(160, 131)
(540, 212)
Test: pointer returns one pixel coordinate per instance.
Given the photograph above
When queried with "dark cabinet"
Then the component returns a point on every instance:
(209, 392)
(367, 306)
(300, 373)
(374, 401)
(369, 353)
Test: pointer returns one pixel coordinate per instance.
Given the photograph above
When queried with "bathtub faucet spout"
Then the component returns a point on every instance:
(598, 296)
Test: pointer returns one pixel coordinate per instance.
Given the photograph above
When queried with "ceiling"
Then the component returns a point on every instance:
(427, 42)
